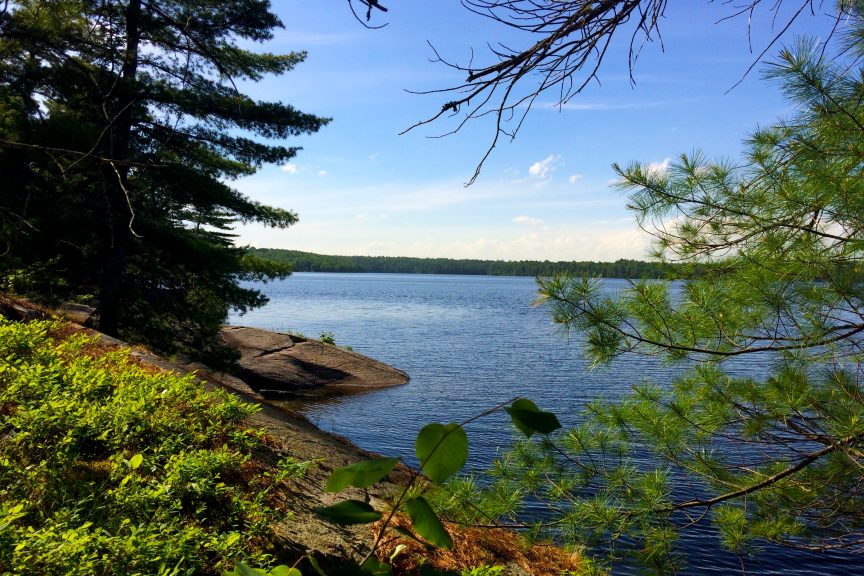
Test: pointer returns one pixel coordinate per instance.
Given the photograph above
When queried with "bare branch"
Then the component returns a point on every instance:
(569, 40)
(370, 4)
(128, 200)
(770, 480)
(10, 145)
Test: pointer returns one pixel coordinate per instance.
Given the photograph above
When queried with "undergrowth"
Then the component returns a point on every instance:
(112, 468)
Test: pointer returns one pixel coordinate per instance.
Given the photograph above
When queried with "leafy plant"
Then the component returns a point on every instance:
(328, 338)
(483, 571)
(241, 569)
(111, 468)
(442, 450)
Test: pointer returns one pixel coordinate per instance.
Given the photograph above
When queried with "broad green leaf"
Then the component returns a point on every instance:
(242, 569)
(360, 475)
(284, 571)
(442, 450)
(426, 523)
(136, 461)
(530, 419)
(373, 567)
(349, 512)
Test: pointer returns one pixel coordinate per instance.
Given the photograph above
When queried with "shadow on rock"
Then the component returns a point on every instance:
(279, 366)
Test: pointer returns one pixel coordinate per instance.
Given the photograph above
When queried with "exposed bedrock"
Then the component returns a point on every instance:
(282, 365)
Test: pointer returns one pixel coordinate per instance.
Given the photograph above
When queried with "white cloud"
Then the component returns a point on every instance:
(441, 219)
(527, 220)
(597, 240)
(591, 243)
(289, 168)
(575, 178)
(543, 168)
(658, 168)
(327, 198)
(322, 173)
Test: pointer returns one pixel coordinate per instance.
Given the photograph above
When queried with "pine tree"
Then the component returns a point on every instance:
(779, 242)
(121, 128)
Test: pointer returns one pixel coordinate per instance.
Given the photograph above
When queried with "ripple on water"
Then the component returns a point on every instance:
(469, 342)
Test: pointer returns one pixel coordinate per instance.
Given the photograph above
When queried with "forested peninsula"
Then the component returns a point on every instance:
(310, 262)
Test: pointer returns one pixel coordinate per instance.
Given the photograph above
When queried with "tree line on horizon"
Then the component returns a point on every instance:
(311, 262)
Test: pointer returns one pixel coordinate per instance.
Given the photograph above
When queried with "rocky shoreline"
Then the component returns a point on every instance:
(279, 366)
(275, 366)
(302, 532)
(313, 368)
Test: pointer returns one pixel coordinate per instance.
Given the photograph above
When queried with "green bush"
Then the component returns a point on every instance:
(483, 571)
(328, 338)
(108, 467)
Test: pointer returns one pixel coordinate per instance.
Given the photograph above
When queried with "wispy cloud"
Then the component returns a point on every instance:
(328, 198)
(289, 168)
(322, 173)
(599, 106)
(575, 178)
(542, 169)
(527, 220)
(587, 241)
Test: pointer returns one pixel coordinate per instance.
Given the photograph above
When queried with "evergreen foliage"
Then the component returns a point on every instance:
(776, 457)
(121, 128)
(308, 262)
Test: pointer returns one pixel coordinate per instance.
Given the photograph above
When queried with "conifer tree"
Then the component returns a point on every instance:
(121, 128)
(767, 454)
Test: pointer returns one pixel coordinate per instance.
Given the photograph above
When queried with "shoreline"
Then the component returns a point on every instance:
(300, 532)
(308, 533)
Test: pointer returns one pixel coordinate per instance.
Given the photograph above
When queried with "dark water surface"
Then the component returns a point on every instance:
(469, 342)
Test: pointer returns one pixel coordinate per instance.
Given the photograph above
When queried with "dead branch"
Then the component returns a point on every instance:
(569, 41)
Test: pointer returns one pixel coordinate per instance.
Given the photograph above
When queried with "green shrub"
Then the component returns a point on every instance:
(108, 467)
(328, 338)
(483, 571)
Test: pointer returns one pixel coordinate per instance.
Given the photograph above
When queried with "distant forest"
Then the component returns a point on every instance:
(309, 262)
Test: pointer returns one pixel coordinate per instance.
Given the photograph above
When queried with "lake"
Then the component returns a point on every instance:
(468, 343)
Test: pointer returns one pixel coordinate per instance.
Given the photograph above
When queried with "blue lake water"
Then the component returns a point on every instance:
(468, 343)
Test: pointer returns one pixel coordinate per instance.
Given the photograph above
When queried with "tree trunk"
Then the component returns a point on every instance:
(121, 100)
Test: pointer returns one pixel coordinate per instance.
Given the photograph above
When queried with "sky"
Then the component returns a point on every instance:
(361, 188)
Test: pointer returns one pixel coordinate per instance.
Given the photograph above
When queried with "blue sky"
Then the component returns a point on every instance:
(362, 189)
